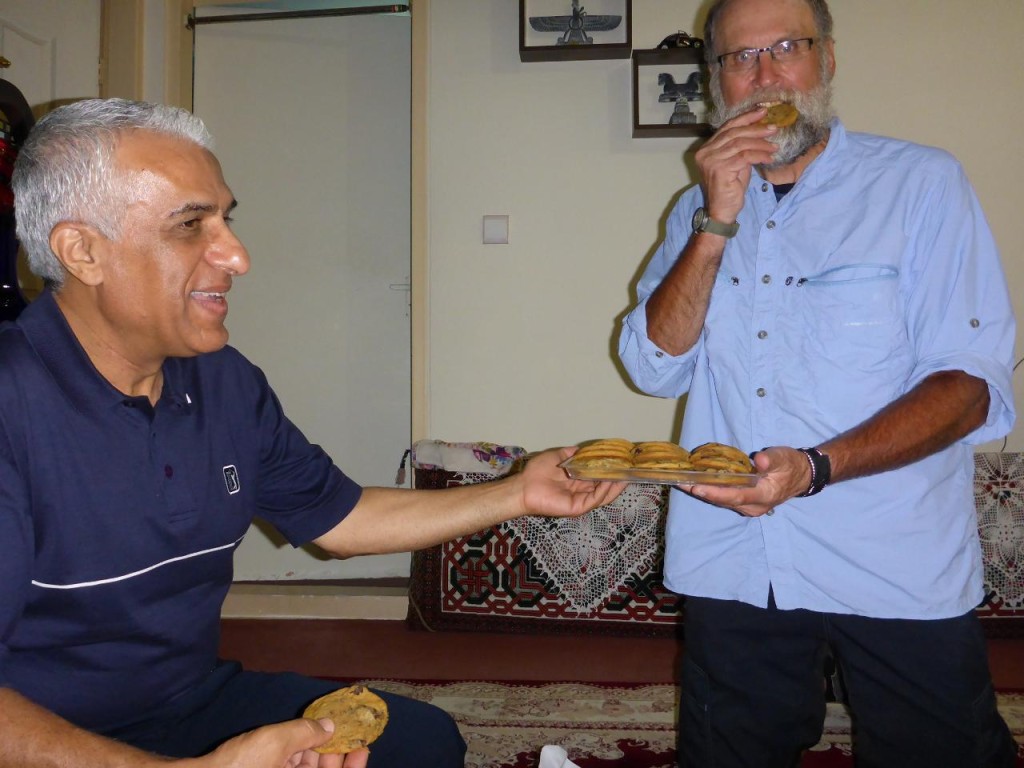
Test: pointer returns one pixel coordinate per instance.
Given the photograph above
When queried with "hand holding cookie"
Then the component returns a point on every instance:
(359, 717)
(289, 744)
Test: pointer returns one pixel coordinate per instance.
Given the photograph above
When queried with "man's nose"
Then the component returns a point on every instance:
(228, 253)
(766, 70)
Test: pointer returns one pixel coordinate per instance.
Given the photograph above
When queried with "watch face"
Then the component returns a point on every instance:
(699, 217)
(702, 222)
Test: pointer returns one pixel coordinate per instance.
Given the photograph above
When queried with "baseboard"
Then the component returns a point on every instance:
(276, 600)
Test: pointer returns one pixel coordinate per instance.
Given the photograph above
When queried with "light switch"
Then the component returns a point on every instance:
(495, 230)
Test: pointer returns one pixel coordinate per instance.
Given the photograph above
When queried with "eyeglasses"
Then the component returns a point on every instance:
(783, 51)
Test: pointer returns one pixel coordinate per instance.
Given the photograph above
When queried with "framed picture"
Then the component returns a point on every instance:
(568, 30)
(669, 93)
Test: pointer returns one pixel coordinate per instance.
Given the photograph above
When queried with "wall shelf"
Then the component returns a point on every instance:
(567, 24)
(669, 96)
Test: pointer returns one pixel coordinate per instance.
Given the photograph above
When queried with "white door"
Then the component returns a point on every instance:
(311, 119)
(53, 47)
(54, 51)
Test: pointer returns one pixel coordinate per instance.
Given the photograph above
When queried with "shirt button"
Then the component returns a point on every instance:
(766, 279)
(764, 187)
(974, 322)
(761, 392)
(762, 334)
(770, 225)
(168, 471)
(659, 353)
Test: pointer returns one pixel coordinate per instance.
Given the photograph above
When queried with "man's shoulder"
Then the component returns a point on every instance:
(900, 154)
(16, 353)
(24, 384)
(38, 335)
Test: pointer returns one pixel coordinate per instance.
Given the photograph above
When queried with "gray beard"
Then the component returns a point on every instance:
(794, 141)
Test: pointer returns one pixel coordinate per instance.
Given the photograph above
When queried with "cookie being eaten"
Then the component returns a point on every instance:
(780, 113)
(359, 717)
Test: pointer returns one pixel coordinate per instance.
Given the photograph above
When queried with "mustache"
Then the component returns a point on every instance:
(815, 106)
(812, 127)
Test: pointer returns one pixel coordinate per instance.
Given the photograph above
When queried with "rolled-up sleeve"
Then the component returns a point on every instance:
(959, 308)
(653, 370)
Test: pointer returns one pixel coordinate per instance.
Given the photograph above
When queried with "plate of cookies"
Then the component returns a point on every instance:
(660, 461)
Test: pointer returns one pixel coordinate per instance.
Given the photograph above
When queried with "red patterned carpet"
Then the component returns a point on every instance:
(599, 725)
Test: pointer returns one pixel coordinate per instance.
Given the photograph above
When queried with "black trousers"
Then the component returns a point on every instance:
(919, 692)
(232, 701)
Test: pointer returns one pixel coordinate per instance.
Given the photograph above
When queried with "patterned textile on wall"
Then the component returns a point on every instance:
(597, 574)
(601, 573)
(999, 500)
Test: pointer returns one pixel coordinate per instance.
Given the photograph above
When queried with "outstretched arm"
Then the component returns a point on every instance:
(399, 520)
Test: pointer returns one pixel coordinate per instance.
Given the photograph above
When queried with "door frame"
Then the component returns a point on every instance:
(123, 63)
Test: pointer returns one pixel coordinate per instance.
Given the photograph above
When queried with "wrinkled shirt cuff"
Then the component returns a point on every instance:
(652, 369)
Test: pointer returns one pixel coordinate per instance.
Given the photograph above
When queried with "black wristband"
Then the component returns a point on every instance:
(821, 470)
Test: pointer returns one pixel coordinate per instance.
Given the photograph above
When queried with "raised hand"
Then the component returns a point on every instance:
(726, 161)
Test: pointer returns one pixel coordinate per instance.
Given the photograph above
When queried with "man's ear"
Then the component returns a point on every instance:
(830, 46)
(79, 247)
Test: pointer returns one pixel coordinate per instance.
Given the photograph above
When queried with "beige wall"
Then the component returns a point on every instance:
(515, 343)
(521, 337)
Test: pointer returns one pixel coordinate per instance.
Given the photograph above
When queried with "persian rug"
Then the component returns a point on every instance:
(505, 725)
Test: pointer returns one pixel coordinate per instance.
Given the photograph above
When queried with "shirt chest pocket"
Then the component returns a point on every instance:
(850, 313)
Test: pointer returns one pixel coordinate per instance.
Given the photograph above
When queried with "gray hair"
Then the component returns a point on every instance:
(65, 170)
(822, 23)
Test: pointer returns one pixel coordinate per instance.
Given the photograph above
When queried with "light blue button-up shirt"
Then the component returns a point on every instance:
(875, 271)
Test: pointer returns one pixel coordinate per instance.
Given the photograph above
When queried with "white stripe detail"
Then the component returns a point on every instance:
(126, 576)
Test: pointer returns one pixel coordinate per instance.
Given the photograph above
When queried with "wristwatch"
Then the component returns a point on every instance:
(702, 222)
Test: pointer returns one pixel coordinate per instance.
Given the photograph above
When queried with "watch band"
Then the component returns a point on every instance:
(702, 222)
(821, 470)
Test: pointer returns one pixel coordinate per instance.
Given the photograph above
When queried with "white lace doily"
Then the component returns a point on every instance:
(590, 557)
(999, 500)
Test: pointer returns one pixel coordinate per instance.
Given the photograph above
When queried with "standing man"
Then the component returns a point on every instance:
(837, 297)
(135, 450)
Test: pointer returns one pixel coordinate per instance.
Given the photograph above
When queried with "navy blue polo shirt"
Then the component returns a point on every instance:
(118, 520)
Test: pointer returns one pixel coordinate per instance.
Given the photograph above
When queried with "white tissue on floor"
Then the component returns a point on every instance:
(555, 757)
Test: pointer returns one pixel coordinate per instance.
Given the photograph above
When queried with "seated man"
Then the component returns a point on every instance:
(135, 450)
